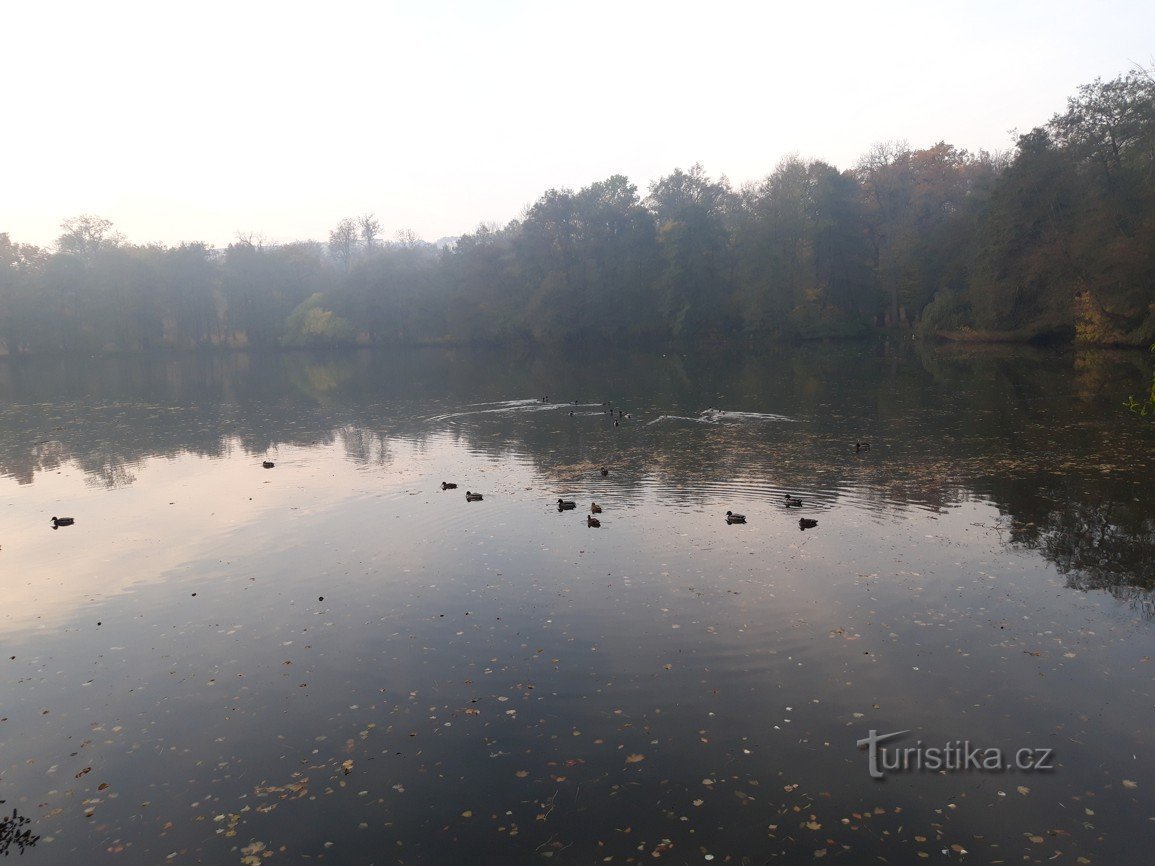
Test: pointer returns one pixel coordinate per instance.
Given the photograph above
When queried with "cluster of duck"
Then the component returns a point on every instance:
(562, 504)
(470, 496)
(804, 523)
(617, 415)
(732, 517)
(591, 521)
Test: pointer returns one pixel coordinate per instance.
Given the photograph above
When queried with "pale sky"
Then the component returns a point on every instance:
(184, 121)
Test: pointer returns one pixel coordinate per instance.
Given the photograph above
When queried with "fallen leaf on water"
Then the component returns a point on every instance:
(633, 759)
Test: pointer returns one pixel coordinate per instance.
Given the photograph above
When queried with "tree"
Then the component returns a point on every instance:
(369, 230)
(86, 236)
(691, 212)
(343, 242)
(311, 325)
(1143, 408)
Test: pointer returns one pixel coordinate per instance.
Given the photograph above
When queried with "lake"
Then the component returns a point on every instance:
(336, 660)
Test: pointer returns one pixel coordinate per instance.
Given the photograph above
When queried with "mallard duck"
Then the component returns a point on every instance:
(565, 504)
(731, 517)
(861, 446)
(62, 521)
(473, 497)
(605, 472)
(595, 508)
(268, 464)
(448, 485)
(793, 501)
(592, 522)
(805, 523)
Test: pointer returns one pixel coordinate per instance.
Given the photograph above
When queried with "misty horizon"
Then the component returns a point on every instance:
(443, 117)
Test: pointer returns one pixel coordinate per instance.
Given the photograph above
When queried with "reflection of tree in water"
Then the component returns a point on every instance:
(13, 836)
(107, 469)
(946, 426)
(365, 446)
(1103, 545)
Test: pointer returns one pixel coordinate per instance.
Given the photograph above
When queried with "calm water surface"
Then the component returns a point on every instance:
(336, 660)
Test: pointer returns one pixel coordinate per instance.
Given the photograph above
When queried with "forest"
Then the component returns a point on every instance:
(1053, 241)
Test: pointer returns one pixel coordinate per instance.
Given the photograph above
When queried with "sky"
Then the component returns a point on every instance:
(183, 121)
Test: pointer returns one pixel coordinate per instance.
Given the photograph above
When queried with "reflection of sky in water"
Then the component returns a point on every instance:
(337, 657)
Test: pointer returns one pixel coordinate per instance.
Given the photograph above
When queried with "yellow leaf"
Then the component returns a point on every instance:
(633, 759)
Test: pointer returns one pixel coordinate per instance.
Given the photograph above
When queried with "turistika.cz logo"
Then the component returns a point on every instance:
(958, 756)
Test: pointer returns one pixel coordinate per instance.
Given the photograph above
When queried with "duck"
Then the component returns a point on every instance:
(605, 472)
(268, 464)
(62, 521)
(592, 522)
(473, 497)
(448, 485)
(595, 508)
(793, 501)
(861, 446)
(805, 523)
(565, 504)
(731, 517)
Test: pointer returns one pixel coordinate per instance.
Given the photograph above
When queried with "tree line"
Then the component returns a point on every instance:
(1052, 241)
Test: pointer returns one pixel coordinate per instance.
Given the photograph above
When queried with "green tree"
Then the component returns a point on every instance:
(694, 282)
(311, 325)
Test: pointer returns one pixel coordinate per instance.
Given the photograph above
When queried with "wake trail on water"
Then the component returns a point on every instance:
(722, 416)
(507, 407)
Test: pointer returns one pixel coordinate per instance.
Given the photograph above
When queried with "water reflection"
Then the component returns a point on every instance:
(1037, 433)
(336, 658)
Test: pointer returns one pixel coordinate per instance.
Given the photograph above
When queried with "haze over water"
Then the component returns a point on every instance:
(335, 659)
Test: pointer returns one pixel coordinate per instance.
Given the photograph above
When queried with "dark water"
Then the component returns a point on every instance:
(335, 660)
